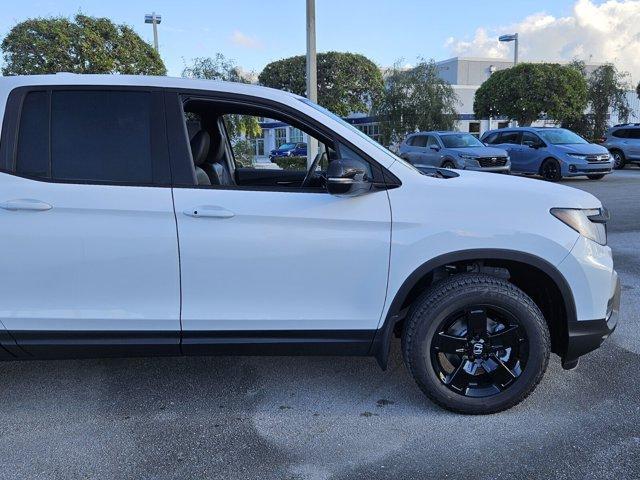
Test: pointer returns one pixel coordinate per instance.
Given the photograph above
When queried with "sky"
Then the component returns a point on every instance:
(254, 32)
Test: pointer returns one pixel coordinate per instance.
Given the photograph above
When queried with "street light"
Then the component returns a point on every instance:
(312, 72)
(512, 37)
(154, 20)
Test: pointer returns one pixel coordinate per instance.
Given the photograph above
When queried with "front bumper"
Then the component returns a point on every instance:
(573, 169)
(502, 169)
(584, 336)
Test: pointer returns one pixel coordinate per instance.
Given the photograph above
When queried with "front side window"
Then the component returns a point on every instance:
(87, 136)
(529, 138)
(633, 133)
(432, 141)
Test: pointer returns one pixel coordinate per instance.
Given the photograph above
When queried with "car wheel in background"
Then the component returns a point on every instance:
(550, 170)
(600, 176)
(619, 161)
(476, 344)
(448, 164)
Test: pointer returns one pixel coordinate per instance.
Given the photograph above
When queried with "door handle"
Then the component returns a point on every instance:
(208, 211)
(25, 204)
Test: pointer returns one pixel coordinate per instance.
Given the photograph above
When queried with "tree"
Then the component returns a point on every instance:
(530, 91)
(82, 45)
(219, 67)
(607, 93)
(347, 82)
(415, 99)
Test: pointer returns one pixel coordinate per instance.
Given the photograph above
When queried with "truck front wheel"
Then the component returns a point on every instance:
(476, 344)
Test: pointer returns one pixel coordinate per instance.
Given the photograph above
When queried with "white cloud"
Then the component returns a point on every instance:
(239, 38)
(606, 32)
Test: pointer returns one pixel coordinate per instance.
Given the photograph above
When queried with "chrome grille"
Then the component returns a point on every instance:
(603, 157)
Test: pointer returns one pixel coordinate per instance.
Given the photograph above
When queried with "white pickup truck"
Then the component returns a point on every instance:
(128, 231)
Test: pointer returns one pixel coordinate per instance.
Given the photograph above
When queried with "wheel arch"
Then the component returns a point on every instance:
(538, 278)
(448, 158)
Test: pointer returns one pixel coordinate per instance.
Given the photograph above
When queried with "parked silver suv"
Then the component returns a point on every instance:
(623, 141)
(453, 150)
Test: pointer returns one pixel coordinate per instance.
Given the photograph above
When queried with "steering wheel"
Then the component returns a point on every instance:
(311, 172)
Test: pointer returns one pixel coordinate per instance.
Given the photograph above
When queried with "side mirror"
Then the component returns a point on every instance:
(348, 177)
(435, 148)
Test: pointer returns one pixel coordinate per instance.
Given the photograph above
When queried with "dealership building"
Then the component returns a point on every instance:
(465, 74)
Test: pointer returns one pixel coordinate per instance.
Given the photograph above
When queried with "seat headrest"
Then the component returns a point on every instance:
(200, 147)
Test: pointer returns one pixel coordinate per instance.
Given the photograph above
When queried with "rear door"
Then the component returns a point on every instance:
(633, 145)
(510, 141)
(90, 254)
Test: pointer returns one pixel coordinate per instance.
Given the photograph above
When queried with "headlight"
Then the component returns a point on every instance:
(469, 160)
(589, 223)
(579, 156)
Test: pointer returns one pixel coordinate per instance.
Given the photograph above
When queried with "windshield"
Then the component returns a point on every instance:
(361, 134)
(460, 140)
(560, 136)
(287, 146)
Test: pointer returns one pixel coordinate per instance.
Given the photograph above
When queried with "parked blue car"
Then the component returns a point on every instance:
(290, 150)
(551, 152)
(452, 150)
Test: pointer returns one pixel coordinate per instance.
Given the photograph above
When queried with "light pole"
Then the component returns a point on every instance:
(512, 37)
(154, 20)
(312, 72)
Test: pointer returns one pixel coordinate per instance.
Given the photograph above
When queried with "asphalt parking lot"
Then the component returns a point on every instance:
(328, 418)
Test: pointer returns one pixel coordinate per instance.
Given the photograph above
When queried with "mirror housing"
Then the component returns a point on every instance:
(348, 177)
(435, 148)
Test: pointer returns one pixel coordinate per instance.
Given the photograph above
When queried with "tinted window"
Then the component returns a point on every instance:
(432, 141)
(420, 141)
(101, 136)
(633, 133)
(491, 138)
(622, 133)
(529, 138)
(32, 156)
(508, 137)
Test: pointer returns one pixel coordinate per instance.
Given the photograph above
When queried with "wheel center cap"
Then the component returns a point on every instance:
(478, 348)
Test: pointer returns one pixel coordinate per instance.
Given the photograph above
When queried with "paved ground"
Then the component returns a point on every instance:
(327, 418)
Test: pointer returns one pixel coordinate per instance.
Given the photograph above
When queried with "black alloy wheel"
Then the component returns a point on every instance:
(550, 170)
(475, 343)
(479, 351)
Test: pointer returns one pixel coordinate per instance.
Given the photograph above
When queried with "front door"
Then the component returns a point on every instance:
(276, 260)
(90, 257)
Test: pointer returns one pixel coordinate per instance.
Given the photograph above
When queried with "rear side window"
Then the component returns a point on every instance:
(508, 137)
(32, 155)
(103, 136)
(419, 141)
(633, 133)
(90, 136)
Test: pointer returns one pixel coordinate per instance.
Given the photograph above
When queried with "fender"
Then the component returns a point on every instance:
(382, 341)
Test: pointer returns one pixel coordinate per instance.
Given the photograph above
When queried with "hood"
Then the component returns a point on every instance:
(582, 148)
(493, 191)
(512, 189)
(479, 151)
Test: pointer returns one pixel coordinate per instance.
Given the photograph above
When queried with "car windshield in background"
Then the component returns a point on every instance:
(460, 140)
(560, 136)
(287, 146)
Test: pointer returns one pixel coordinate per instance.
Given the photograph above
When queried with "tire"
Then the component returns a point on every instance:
(599, 176)
(516, 372)
(550, 170)
(619, 160)
(448, 164)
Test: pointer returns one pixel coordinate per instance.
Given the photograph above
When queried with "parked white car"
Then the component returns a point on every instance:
(123, 234)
